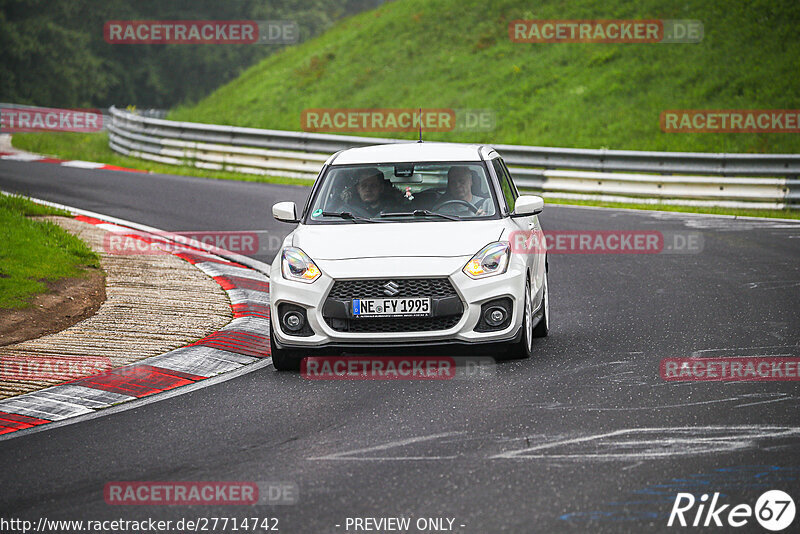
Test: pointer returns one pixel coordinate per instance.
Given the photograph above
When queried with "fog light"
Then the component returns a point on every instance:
(495, 316)
(293, 321)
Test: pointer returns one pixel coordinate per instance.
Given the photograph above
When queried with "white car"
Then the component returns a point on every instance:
(407, 245)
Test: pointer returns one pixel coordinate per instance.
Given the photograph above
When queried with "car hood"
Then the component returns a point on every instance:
(382, 240)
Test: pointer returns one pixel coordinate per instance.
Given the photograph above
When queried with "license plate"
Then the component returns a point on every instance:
(388, 307)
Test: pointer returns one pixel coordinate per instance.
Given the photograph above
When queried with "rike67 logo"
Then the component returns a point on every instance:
(774, 510)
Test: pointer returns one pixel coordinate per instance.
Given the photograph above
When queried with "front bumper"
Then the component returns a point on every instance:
(472, 294)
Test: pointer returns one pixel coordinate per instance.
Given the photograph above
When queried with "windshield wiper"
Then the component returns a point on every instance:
(346, 215)
(422, 213)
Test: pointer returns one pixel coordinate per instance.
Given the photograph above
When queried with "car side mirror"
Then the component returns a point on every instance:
(528, 205)
(285, 212)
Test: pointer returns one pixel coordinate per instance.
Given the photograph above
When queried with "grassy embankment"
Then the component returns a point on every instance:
(34, 252)
(457, 54)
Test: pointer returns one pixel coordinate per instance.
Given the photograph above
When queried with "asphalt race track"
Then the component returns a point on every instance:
(585, 437)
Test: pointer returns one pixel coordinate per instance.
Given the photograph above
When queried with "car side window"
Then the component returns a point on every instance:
(506, 186)
(510, 180)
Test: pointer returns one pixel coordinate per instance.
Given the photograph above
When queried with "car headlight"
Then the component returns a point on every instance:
(297, 266)
(491, 260)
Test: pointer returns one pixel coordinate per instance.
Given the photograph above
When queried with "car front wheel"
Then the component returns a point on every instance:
(283, 359)
(524, 347)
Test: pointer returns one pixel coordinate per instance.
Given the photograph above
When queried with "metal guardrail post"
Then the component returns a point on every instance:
(639, 175)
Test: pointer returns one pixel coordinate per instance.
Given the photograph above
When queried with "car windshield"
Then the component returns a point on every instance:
(403, 192)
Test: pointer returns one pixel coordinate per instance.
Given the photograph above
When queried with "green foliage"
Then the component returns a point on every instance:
(54, 53)
(457, 54)
(23, 206)
(33, 252)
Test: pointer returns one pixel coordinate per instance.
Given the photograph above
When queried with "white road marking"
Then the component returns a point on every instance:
(80, 164)
(248, 296)
(764, 402)
(690, 441)
(632, 445)
(23, 157)
(766, 350)
(773, 284)
(632, 466)
(42, 406)
(255, 325)
(200, 360)
(559, 406)
(219, 269)
(347, 455)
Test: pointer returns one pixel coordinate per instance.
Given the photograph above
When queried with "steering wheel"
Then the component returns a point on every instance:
(464, 203)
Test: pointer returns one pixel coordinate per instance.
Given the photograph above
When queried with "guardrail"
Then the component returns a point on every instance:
(738, 180)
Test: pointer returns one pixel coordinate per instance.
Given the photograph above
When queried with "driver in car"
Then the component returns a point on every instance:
(459, 187)
(375, 193)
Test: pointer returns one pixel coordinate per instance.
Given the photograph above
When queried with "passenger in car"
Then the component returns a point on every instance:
(460, 181)
(375, 193)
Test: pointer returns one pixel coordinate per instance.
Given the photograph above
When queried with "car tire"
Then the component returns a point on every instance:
(524, 347)
(543, 326)
(283, 359)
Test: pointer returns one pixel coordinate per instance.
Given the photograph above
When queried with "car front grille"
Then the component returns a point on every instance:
(409, 287)
(436, 288)
(377, 325)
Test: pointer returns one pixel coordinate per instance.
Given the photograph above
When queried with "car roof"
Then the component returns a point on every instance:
(412, 152)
